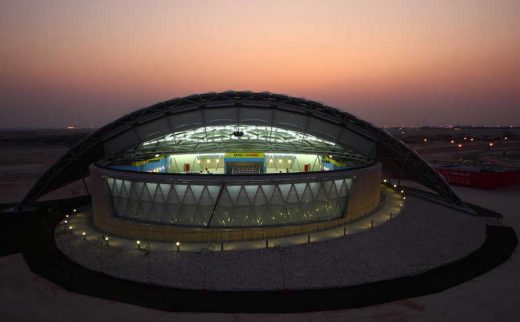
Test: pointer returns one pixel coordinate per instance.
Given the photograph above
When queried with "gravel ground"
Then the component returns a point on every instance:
(425, 236)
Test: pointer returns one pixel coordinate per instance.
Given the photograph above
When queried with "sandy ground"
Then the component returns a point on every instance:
(22, 165)
(494, 296)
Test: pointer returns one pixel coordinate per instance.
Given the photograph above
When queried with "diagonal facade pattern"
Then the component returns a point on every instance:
(244, 205)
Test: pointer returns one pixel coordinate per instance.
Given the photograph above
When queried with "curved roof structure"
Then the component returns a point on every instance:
(250, 137)
(233, 107)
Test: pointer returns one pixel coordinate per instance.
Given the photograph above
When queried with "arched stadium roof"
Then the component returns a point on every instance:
(239, 107)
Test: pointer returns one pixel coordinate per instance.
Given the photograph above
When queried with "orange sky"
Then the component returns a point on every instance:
(389, 62)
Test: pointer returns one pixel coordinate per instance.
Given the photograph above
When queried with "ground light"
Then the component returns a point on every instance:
(310, 235)
(104, 237)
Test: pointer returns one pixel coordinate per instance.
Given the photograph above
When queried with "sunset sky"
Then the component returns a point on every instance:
(390, 62)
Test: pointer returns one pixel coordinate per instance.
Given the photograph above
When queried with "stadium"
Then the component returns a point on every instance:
(213, 188)
(235, 160)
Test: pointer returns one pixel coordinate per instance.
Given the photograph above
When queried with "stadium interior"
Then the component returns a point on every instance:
(237, 149)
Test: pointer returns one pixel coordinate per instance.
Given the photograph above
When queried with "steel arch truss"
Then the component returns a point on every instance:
(246, 108)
